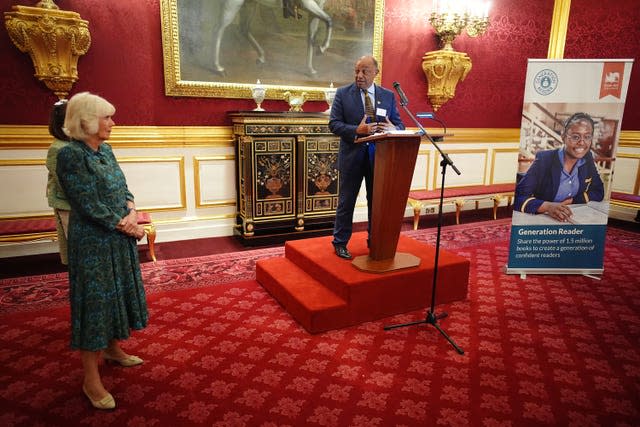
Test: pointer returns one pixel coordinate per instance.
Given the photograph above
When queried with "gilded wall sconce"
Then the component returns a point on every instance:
(53, 38)
(444, 68)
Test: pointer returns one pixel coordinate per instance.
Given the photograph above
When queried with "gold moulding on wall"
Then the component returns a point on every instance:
(54, 39)
(444, 69)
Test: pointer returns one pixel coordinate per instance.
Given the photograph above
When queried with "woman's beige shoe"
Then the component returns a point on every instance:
(126, 361)
(107, 402)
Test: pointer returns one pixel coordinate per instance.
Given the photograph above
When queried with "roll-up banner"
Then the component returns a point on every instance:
(571, 122)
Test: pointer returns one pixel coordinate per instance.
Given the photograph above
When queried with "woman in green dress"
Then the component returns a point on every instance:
(107, 296)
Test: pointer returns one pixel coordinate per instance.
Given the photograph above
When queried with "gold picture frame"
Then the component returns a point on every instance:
(189, 46)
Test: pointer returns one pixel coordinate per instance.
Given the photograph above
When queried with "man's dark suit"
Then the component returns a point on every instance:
(355, 161)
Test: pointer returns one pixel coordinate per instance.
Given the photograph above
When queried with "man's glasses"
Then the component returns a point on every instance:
(576, 137)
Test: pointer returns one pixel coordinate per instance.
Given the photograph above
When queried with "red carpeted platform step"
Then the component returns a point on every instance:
(308, 301)
(294, 281)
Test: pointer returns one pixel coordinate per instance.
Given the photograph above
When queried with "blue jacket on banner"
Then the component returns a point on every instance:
(542, 180)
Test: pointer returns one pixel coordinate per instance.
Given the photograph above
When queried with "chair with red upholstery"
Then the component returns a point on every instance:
(34, 229)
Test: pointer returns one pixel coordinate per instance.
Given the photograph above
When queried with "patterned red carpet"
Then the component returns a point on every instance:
(548, 350)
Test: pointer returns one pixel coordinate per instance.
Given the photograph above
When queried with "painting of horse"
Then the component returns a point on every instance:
(286, 44)
(231, 8)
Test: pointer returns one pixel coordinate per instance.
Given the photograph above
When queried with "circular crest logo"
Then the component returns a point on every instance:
(545, 82)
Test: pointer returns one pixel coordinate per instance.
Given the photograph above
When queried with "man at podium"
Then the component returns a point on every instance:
(359, 109)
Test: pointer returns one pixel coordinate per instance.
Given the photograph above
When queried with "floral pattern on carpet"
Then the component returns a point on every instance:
(37, 292)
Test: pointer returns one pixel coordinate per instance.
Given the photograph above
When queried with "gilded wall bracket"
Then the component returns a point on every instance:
(53, 38)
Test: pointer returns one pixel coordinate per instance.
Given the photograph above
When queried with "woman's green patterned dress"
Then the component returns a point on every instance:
(106, 291)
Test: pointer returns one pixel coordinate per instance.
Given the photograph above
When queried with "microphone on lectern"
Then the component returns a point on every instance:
(403, 97)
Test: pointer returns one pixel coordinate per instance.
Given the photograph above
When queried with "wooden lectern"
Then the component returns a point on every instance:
(395, 160)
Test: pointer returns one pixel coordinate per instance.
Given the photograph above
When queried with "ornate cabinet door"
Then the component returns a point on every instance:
(318, 155)
(287, 178)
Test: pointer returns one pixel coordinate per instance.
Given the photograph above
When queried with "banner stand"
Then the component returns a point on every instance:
(571, 121)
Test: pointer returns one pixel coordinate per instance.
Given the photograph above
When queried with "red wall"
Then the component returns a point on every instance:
(124, 63)
(597, 30)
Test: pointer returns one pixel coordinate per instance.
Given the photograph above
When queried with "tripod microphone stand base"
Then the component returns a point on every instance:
(431, 319)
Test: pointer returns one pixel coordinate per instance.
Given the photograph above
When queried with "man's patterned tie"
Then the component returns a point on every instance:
(368, 106)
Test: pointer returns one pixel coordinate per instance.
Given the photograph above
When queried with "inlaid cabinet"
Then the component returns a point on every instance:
(286, 172)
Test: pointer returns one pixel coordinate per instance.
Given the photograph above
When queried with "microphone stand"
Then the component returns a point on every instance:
(432, 318)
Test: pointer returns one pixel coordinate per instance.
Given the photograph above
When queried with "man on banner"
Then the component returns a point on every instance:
(562, 176)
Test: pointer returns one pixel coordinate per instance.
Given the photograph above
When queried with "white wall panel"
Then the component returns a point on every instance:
(157, 183)
(625, 174)
(215, 180)
(23, 188)
(471, 163)
(420, 180)
(504, 167)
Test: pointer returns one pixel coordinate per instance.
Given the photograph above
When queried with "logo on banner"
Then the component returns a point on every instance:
(545, 82)
(611, 81)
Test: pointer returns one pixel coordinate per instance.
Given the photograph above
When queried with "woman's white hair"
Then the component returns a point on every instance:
(83, 112)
